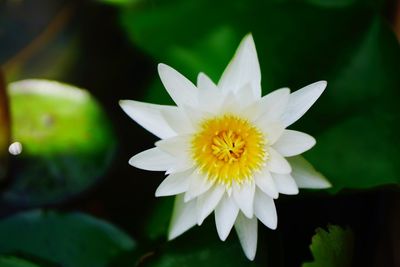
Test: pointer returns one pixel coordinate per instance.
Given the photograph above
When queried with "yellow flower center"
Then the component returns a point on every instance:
(229, 148)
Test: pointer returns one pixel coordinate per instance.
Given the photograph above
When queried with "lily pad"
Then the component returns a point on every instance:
(70, 240)
(16, 262)
(332, 248)
(67, 142)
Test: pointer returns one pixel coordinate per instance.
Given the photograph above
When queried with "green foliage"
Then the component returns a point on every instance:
(67, 239)
(346, 43)
(8, 261)
(67, 141)
(332, 248)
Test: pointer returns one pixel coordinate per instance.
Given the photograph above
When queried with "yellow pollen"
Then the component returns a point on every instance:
(229, 148)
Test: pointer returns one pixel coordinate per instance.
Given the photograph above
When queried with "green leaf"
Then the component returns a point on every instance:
(157, 224)
(289, 55)
(121, 2)
(364, 144)
(332, 248)
(67, 142)
(71, 240)
(10, 261)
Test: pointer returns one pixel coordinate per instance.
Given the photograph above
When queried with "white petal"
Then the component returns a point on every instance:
(205, 83)
(180, 165)
(177, 146)
(181, 90)
(183, 217)
(199, 184)
(244, 197)
(153, 159)
(178, 121)
(246, 230)
(243, 69)
(196, 116)
(273, 105)
(301, 100)
(210, 100)
(276, 163)
(245, 96)
(273, 130)
(207, 202)
(149, 116)
(305, 175)
(264, 209)
(174, 184)
(285, 184)
(293, 143)
(225, 216)
(265, 182)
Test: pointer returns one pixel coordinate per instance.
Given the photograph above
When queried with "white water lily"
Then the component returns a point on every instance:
(226, 149)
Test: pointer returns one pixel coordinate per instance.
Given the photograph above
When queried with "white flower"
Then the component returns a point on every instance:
(225, 148)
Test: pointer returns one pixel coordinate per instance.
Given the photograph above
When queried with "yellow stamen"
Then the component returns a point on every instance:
(229, 148)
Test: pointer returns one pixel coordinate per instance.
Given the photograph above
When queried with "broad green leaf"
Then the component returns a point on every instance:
(67, 142)
(121, 2)
(293, 44)
(4, 127)
(332, 248)
(12, 261)
(9, 261)
(158, 222)
(364, 144)
(360, 152)
(71, 240)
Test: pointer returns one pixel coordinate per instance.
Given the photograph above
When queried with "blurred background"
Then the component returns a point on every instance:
(67, 194)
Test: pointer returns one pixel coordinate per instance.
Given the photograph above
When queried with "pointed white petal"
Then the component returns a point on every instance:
(181, 164)
(210, 100)
(199, 184)
(181, 90)
(301, 100)
(205, 83)
(149, 116)
(196, 116)
(265, 182)
(273, 105)
(152, 159)
(178, 121)
(183, 217)
(245, 96)
(285, 184)
(174, 184)
(225, 216)
(243, 69)
(246, 230)
(244, 197)
(177, 146)
(272, 130)
(264, 209)
(305, 175)
(276, 163)
(293, 143)
(207, 202)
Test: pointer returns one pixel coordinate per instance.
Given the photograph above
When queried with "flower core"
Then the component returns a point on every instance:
(229, 148)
